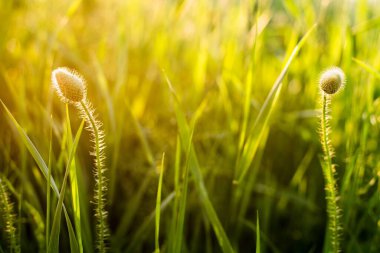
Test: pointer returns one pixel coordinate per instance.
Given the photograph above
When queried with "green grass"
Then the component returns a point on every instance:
(227, 90)
(158, 206)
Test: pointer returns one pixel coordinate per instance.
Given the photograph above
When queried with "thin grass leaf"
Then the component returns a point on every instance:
(88, 245)
(31, 148)
(257, 234)
(174, 236)
(54, 239)
(158, 205)
(48, 190)
(74, 184)
(182, 201)
(41, 165)
(130, 212)
(266, 239)
(367, 67)
(185, 133)
(141, 233)
(261, 122)
(73, 8)
(79, 196)
(74, 247)
(243, 195)
(246, 108)
(366, 26)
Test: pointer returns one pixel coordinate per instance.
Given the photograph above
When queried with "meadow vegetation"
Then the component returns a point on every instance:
(211, 117)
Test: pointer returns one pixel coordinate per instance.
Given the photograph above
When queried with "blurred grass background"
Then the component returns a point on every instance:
(222, 59)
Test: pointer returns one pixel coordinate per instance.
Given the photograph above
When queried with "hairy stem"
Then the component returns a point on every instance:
(6, 210)
(333, 210)
(101, 214)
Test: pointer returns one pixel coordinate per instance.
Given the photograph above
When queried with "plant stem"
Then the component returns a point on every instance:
(6, 208)
(100, 213)
(330, 185)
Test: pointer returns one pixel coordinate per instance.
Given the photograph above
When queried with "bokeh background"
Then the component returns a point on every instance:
(222, 59)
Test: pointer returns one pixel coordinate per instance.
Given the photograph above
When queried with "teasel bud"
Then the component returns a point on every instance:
(70, 86)
(332, 80)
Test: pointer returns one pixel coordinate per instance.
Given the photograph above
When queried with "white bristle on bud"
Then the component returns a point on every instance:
(69, 85)
(332, 80)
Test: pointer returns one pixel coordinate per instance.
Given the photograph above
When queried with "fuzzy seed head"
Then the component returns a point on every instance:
(69, 85)
(332, 80)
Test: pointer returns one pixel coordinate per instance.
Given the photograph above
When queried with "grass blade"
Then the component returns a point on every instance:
(175, 237)
(257, 234)
(140, 234)
(48, 190)
(261, 122)
(367, 67)
(182, 201)
(266, 239)
(185, 134)
(54, 240)
(32, 149)
(74, 184)
(158, 205)
(130, 212)
(73, 241)
(40, 162)
(366, 26)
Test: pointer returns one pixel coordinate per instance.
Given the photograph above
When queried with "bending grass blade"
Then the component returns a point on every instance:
(74, 183)
(54, 240)
(252, 142)
(242, 199)
(158, 205)
(32, 149)
(185, 134)
(74, 247)
(366, 26)
(41, 165)
(367, 67)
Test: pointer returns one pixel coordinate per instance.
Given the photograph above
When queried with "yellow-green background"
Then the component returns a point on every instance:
(222, 59)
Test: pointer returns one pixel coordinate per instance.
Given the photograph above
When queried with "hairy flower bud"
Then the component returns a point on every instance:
(70, 85)
(332, 80)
